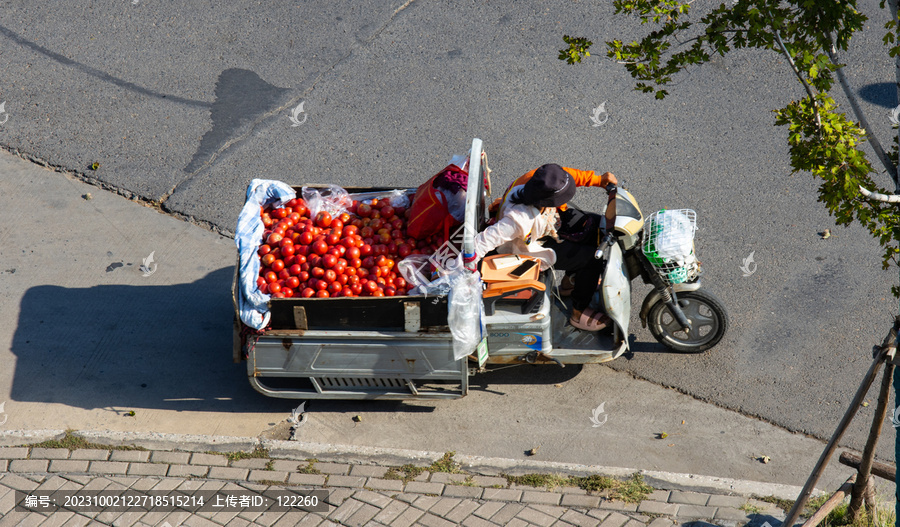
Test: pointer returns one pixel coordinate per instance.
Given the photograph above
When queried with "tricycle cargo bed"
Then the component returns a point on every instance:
(398, 313)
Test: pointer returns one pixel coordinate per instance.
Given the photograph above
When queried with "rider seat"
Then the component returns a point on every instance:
(499, 285)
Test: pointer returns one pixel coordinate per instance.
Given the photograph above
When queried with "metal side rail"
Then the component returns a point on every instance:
(358, 365)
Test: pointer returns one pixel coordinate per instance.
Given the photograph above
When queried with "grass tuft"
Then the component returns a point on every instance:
(406, 473)
(632, 490)
(73, 442)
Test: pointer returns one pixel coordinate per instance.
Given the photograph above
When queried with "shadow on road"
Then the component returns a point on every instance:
(882, 93)
(110, 346)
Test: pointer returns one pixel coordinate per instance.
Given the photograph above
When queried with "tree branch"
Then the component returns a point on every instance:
(800, 78)
(877, 196)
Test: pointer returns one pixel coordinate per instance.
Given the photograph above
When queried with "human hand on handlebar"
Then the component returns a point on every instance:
(609, 177)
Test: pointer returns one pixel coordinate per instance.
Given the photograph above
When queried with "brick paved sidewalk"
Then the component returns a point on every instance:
(358, 494)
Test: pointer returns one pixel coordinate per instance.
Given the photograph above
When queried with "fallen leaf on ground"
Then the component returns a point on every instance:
(662, 435)
(764, 459)
(357, 418)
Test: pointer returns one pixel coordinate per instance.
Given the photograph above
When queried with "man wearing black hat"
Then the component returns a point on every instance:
(528, 219)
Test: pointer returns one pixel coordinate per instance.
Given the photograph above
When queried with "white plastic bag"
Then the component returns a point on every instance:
(676, 239)
(331, 199)
(252, 303)
(465, 312)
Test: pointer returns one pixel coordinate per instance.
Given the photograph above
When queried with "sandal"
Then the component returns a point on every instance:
(590, 320)
(566, 286)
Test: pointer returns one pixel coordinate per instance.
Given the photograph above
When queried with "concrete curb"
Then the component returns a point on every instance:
(397, 456)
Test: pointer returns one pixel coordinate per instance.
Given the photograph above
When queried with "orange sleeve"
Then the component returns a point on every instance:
(586, 178)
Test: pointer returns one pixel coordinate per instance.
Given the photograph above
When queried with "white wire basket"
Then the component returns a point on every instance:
(669, 244)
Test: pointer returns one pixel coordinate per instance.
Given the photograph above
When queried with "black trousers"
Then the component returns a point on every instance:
(578, 259)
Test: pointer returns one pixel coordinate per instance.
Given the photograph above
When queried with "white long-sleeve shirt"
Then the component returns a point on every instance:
(518, 231)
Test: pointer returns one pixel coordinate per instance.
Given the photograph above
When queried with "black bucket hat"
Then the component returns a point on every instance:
(550, 186)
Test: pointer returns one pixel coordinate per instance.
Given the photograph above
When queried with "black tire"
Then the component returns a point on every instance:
(709, 322)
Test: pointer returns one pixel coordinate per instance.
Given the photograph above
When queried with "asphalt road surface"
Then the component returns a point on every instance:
(182, 105)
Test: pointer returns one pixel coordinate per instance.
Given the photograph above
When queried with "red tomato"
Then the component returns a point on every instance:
(364, 210)
(387, 211)
(328, 261)
(330, 275)
(274, 238)
(271, 277)
(307, 292)
(346, 291)
(292, 281)
(267, 259)
(283, 274)
(320, 247)
(264, 249)
(357, 289)
(280, 213)
(274, 287)
(323, 219)
(389, 291)
(334, 288)
(317, 272)
(264, 288)
(352, 252)
(337, 223)
(287, 292)
(344, 217)
(303, 276)
(365, 250)
(350, 230)
(370, 286)
(306, 238)
(295, 270)
(322, 285)
(287, 250)
(277, 265)
(322, 294)
(403, 250)
(355, 262)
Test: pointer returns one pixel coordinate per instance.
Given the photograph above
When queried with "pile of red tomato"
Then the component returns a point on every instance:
(353, 254)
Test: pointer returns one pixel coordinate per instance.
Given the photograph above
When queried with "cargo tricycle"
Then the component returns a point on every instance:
(401, 347)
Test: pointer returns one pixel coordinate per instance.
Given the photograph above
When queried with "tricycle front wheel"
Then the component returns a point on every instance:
(708, 317)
